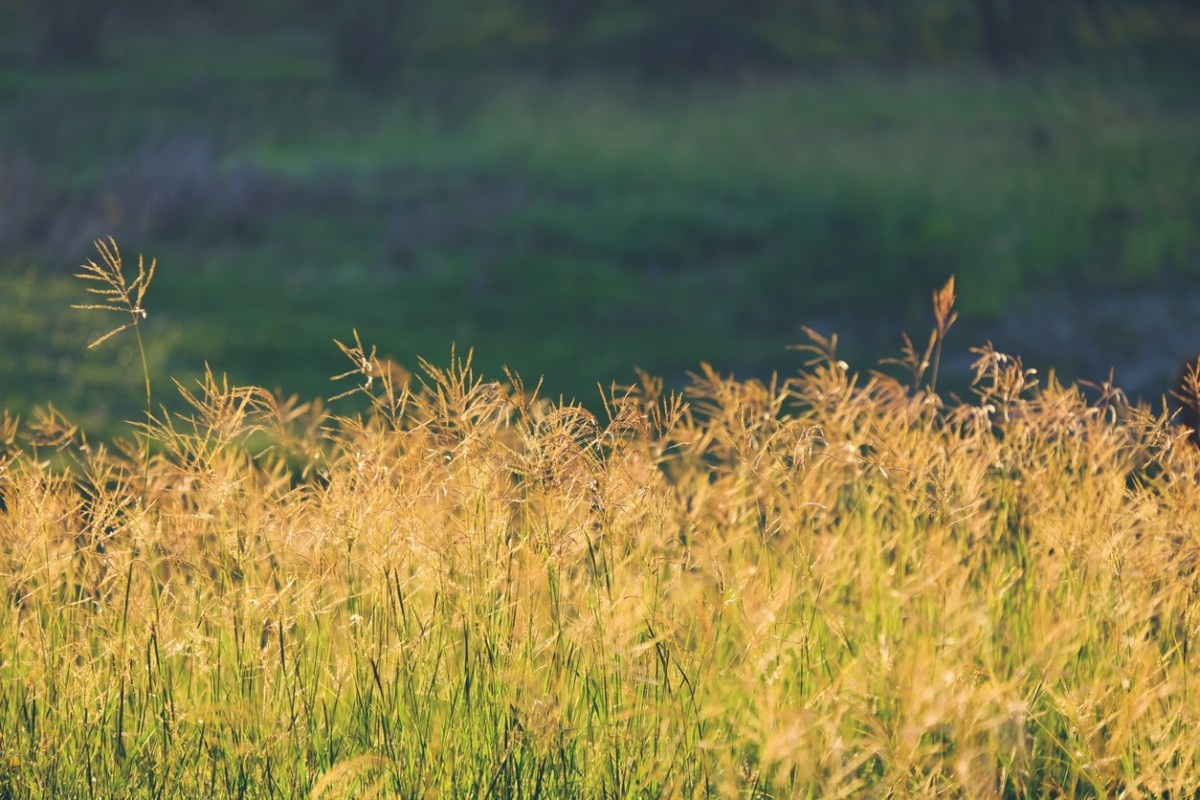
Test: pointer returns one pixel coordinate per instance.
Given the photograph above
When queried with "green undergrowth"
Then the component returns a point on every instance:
(560, 227)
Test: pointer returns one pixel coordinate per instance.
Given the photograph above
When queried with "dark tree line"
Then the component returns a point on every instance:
(371, 40)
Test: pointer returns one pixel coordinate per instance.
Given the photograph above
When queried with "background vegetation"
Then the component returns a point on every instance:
(574, 188)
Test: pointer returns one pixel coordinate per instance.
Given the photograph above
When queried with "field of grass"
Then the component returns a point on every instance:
(571, 229)
(443, 585)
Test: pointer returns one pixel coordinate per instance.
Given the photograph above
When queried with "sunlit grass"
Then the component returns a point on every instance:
(833, 584)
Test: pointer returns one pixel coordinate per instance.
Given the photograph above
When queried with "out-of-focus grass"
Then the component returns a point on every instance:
(575, 228)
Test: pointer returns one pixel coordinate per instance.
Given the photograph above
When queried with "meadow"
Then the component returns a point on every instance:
(832, 584)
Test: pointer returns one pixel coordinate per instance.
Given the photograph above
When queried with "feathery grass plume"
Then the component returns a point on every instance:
(350, 771)
(123, 297)
(1186, 390)
(366, 366)
(930, 359)
(945, 316)
(120, 296)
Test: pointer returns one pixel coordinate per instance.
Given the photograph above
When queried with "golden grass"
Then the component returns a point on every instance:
(829, 585)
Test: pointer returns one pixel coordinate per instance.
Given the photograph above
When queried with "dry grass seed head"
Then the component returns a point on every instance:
(1186, 391)
(119, 295)
(943, 305)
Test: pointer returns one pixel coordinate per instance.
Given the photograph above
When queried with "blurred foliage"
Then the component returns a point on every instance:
(408, 168)
(372, 39)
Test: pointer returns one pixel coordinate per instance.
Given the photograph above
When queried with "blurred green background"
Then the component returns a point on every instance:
(577, 187)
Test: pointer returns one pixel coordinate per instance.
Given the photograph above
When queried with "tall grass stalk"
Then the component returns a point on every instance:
(125, 298)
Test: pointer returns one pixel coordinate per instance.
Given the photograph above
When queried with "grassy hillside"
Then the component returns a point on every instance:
(570, 228)
(833, 585)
